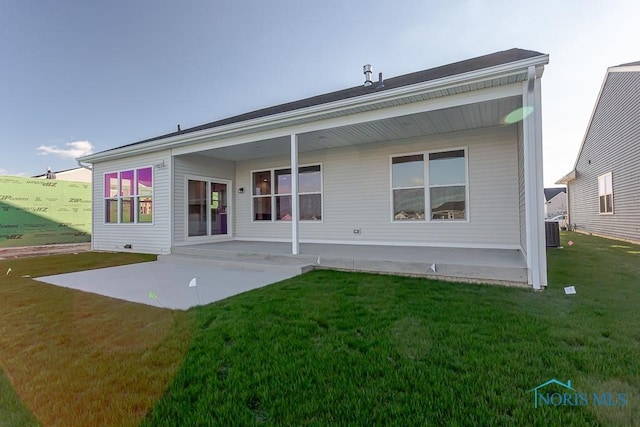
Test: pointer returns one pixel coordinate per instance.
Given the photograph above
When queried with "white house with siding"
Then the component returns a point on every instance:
(555, 201)
(604, 185)
(75, 175)
(423, 160)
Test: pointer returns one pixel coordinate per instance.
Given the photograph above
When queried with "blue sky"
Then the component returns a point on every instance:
(79, 75)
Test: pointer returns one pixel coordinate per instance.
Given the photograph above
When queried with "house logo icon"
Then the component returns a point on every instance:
(561, 394)
(538, 393)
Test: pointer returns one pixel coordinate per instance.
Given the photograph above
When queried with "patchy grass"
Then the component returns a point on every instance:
(333, 348)
(355, 349)
(13, 412)
(82, 359)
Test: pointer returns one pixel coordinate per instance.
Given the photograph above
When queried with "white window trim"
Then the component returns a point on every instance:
(610, 175)
(136, 197)
(273, 195)
(427, 187)
(208, 180)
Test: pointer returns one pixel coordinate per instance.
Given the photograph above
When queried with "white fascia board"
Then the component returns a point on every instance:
(567, 178)
(624, 69)
(593, 114)
(336, 106)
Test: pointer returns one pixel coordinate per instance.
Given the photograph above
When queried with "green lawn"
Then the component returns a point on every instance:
(355, 349)
(13, 412)
(333, 348)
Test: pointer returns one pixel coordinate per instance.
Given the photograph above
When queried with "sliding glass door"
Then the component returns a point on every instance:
(218, 209)
(208, 207)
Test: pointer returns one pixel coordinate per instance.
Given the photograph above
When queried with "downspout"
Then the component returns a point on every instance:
(295, 238)
(93, 225)
(536, 247)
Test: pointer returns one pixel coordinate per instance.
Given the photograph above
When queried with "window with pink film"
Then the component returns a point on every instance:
(145, 182)
(126, 184)
(111, 185)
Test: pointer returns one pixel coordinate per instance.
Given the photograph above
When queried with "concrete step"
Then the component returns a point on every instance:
(243, 263)
(447, 271)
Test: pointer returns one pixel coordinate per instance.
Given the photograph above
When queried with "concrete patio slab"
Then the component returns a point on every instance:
(169, 281)
(499, 266)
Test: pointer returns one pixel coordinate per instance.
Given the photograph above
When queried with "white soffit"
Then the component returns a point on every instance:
(455, 119)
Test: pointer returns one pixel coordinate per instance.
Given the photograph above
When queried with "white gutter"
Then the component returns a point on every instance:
(283, 118)
(83, 166)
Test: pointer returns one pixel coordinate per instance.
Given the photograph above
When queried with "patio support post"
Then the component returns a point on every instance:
(534, 185)
(295, 245)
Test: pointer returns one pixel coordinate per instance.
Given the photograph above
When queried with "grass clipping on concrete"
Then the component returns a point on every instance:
(77, 358)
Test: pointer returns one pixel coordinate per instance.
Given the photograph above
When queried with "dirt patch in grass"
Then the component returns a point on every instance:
(30, 251)
(79, 359)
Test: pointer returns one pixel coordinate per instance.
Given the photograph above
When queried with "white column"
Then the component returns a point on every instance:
(539, 196)
(534, 184)
(295, 245)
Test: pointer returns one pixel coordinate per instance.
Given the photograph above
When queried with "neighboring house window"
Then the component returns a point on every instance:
(129, 196)
(446, 181)
(605, 193)
(272, 194)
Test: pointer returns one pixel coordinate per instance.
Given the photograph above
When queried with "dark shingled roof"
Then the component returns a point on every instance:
(550, 193)
(473, 64)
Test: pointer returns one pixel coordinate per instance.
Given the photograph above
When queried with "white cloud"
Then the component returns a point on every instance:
(6, 172)
(76, 149)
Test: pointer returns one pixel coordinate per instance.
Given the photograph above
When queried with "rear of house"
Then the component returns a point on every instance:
(420, 160)
(604, 185)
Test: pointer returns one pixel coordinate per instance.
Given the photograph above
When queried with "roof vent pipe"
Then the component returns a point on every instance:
(380, 82)
(367, 70)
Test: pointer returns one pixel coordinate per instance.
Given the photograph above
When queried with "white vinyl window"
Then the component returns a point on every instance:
(272, 194)
(605, 193)
(407, 187)
(429, 186)
(447, 185)
(128, 196)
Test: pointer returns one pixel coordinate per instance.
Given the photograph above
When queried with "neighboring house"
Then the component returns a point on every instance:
(555, 201)
(75, 175)
(43, 212)
(423, 159)
(604, 185)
